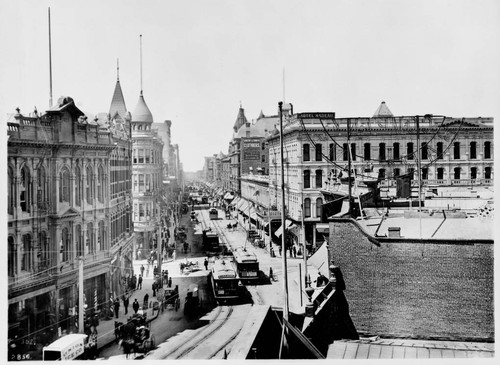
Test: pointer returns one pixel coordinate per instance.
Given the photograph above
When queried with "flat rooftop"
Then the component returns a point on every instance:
(438, 225)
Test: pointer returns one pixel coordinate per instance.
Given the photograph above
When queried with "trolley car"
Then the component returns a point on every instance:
(213, 214)
(247, 265)
(225, 281)
(211, 241)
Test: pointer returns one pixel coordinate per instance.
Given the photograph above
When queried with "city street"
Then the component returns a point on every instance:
(171, 322)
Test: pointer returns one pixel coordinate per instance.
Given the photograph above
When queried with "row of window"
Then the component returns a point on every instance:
(394, 152)
(146, 156)
(440, 171)
(146, 182)
(89, 187)
(33, 259)
(307, 207)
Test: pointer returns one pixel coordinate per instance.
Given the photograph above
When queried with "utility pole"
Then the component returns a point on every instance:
(419, 151)
(349, 163)
(283, 243)
(81, 309)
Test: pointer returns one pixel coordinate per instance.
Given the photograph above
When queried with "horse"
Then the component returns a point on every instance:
(118, 330)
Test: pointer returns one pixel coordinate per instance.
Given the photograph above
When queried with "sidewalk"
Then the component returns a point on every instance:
(106, 328)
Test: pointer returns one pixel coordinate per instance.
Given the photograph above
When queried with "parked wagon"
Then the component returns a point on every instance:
(137, 336)
(171, 298)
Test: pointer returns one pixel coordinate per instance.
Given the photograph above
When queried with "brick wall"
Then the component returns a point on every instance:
(432, 290)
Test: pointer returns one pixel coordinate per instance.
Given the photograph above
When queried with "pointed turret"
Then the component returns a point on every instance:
(142, 112)
(241, 120)
(383, 111)
(118, 102)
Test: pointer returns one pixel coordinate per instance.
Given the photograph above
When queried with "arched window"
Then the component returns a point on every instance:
(331, 154)
(473, 173)
(89, 187)
(27, 261)
(367, 152)
(12, 264)
(79, 240)
(64, 181)
(456, 150)
(66, 245)
(100, 184)
(25, 190)
(78, 186)
(319, 203)
(440, 173)
(305, 152)
(487, 172)
(11, 191)
(425, 151)
(90, 238)
(395, 151)
(45, 252)
(307, 179)
(319, 151)
(101, 236)
(319, 178)
(439, 151)
(41, 189)
(409, 150)
(381, 151)
(307, 208)
(487, 149)
(473, 148)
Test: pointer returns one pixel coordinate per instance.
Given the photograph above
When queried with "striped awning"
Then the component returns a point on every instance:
(279, 231)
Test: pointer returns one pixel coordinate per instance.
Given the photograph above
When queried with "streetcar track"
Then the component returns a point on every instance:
(205, 335)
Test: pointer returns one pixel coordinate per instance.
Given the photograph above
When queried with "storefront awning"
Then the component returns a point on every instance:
(288, 224)
(243, 206)
(229, 196)
(234, 202)
(323, 228)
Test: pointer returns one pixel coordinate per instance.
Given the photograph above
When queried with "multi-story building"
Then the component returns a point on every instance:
(147, 179)
(68, 199)
(317, 149)
(248, 148)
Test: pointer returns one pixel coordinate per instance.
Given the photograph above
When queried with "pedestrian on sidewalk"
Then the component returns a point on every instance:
(154, 288)
(206, 264)
(146, 301)
(133, 282)
(116, 306)
(125, 303)
(170, 282)
(139, 282)
(142, 270)
(281, 249)
(165, 277)
(135, 306)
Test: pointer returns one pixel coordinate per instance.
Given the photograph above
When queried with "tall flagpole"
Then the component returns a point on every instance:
(140, 44)
(50, 65)
(283, 232)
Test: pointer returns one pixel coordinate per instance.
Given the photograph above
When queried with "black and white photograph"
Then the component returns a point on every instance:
(278, 180)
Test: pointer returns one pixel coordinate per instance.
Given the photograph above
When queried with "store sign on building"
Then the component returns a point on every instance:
(316, 115)
(251, 155)
(274, 214)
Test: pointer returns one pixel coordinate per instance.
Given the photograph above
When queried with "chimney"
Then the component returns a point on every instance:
(394, 231)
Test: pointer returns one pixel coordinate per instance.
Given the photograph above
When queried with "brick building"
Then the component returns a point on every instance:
(412, 288)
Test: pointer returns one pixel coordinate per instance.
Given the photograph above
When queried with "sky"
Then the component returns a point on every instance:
(201, 59)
